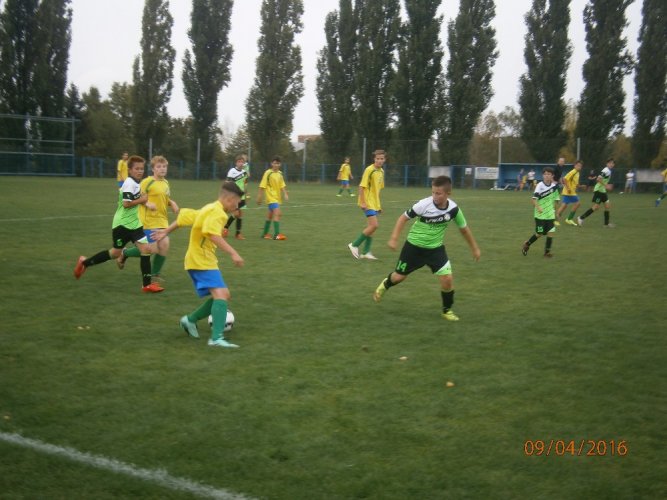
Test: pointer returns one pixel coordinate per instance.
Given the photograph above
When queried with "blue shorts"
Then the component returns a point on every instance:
(273, 206)
(204, 280)
(345, 183)
(567, 199)
(149, 234)
(120, 184)
(371, 213)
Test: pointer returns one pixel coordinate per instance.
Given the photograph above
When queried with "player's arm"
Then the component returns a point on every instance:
(362, 197)
(174, 206)
(142, 200)
(472, 243)
(260, 195)
(222, 244)
(396, 232)
(285, 194)
(536, 205)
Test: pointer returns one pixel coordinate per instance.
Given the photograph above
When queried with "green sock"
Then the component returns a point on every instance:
(571, 216)
(340, 190)
(132, 252)
(158, 262)
(367, 244)
(201, 312)
(267, 225)
(219, 313)
(276, 227)
(360, 239)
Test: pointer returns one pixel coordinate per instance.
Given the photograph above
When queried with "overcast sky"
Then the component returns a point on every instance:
(106, 38)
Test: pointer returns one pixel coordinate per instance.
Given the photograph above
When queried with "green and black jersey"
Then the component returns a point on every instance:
(428, 231)
(127, 217)
(546, 197)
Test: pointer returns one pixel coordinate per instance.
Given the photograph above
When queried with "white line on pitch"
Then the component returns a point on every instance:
(159, 476)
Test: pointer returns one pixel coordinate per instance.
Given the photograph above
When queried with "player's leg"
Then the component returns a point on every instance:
(145, 264)
(120, 238)
(219, 309)
(550, 232)
(201, 281)
(267, 224)
(277, 214)
(372, 224)
(159, 257)
(539, 231)
(607, 214)
(447, 292)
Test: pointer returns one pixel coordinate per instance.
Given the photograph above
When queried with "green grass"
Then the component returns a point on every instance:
(316, 403)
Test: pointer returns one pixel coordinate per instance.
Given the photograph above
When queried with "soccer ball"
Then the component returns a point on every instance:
(229, 322)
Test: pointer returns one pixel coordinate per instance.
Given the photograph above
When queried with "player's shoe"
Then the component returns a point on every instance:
(354, 250)
(351, 194)
(450, 316)
(379, 291)
(548, 255)
(156, 278)
(571, 222)
(556, 223)
(120, 261)
(657, 202)
(189, 327)
(239, 237)
(580, 221)
(339, 195)
(152, 288)
(221, 343)
(280, 237)
(610, 225)
(267, 236)
(80, 268)
(225, 232)
(524, 248)
(368, 256)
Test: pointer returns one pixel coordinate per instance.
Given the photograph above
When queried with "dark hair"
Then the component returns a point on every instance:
(548, 169)
(379, 152)
(610, 159)
(231, 187)
(276, 158)
(579, 162)
(441, 181)
(134, 159)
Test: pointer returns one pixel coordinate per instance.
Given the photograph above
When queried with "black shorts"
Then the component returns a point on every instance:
(413, 257)
(543, 226)
(122, 236)
(600, 198)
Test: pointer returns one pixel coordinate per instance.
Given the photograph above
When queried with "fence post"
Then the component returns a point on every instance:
(578, 148)
(500, 150)
(405, 176)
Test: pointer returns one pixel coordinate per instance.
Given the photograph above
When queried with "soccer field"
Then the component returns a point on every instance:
(558, 366)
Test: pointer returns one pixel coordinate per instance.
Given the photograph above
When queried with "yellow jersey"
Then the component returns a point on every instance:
(570, 183)
(209, 220)
(664, 175)
(158, 193)
(344, 172)
(272, 183)
(372, 181)
(121, 170)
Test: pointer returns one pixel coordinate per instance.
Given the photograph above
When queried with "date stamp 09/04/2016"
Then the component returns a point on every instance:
(575, 448)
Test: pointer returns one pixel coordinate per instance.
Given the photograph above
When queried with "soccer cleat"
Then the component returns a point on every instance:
(156, 278)
(152, 288)
(189, 327)
(556, 223)
(354, 250)
(280, 237)
(221, 343)
(239, 237)
(449, 315)
(80, 268)
(580, 221)
(339, 195)
(225, 232)
(267, 236)
(610, 225)
(571, 222)
(120, 261)
(524, 248)
(379, 291)
(368, 256)
(351, 194)
(548, 255)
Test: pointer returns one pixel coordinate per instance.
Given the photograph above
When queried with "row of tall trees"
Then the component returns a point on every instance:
(380, 77)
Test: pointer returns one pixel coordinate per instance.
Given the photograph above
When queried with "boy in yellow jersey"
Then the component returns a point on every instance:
(157, 189)
(272, 185)
(372, 182)
(569, 196)
(126, 227)
(121, 169)
(664, 188)
(345, 176)
(201, 261)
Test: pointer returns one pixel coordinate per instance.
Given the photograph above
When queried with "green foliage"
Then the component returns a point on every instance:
(378, 32)
(206, 70)
(472, 49)
(547, 54)
(317, 402)
(335, 80)
(650, 104)
(418, 82)
(153, 77)
(278, 83)
(601, 109)
(102, 133)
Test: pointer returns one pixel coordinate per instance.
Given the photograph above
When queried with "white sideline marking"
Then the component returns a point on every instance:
(159, 476)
